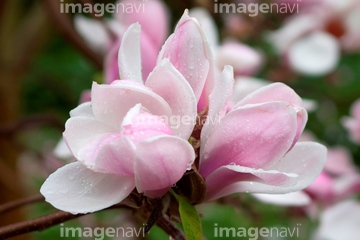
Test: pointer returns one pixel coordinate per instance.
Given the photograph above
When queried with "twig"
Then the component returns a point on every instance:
(19, 203)
(170, 228)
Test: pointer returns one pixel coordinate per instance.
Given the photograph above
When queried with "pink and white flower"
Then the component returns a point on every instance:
(253, 146)
(121, 139)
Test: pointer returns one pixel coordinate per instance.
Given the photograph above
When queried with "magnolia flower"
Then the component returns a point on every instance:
(311, 41)
(253, 146)
(121, 139)
(153, 35)
(244, 59)
(352, 124)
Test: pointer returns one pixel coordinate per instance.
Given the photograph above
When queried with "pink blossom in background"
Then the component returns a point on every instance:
(127, 145)
(154, 33)
(352, 123)
(311, 42)
(252, 147)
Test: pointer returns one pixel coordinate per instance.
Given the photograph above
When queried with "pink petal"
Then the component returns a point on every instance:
(160, 163)
(110, 103)
(178, 94)
(294, 172)
(188, 50)
(111, 66)
(129, 58)
(251, 136)
(218, 102)
(77, 189)
(144, 11)
(272, 92)
(139, 125)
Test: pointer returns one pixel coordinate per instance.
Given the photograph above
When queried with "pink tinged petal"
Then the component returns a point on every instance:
(298, 169)
(316, 54)
(322, 188)
(139, 125)
(85, 96)
(76, 189)
(178, 94)
(160, 163)
(296, 199)
(208, 25)
(129, 58)
(246, 179)
(218, 103)
(244, 59)
(83, 110)
(143, 12)
(272, 92)
(110, 103)
(251, 136)
(339, 161)
(93, 32)
(116, 157)
(188, 50)
(340, 221)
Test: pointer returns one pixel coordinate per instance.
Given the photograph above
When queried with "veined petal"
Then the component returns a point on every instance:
(188, 50)
(160, 163)
(129, 54)
(110, 103)
(251, 136)
(168, 83)
(76, 189)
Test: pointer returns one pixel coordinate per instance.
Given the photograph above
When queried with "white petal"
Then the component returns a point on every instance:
(93, 32)
(316, 54)
(340, 222)
(288, 199)
(129, 54)
(77, 189)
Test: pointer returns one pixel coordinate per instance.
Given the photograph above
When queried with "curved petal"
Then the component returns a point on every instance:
(76, 189)
(316, 54)
(83, 110)
(246, 85)
(62, 150)
(111, 66)
(250, 136)
(129, 58)
(80, 132)
(296, 171)
(208, 25)
(160, 163)
(271, 92)
(288, 199)
(188, 50)
(178, 94)
(110, 103)
(116, 157)
(144, 11)
(218, 102)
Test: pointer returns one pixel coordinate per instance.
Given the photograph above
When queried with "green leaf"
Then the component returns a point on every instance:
(190, 218)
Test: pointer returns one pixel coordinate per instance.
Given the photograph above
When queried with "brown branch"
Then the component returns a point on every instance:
(64, 24)
(170, 228)
(19, 203)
